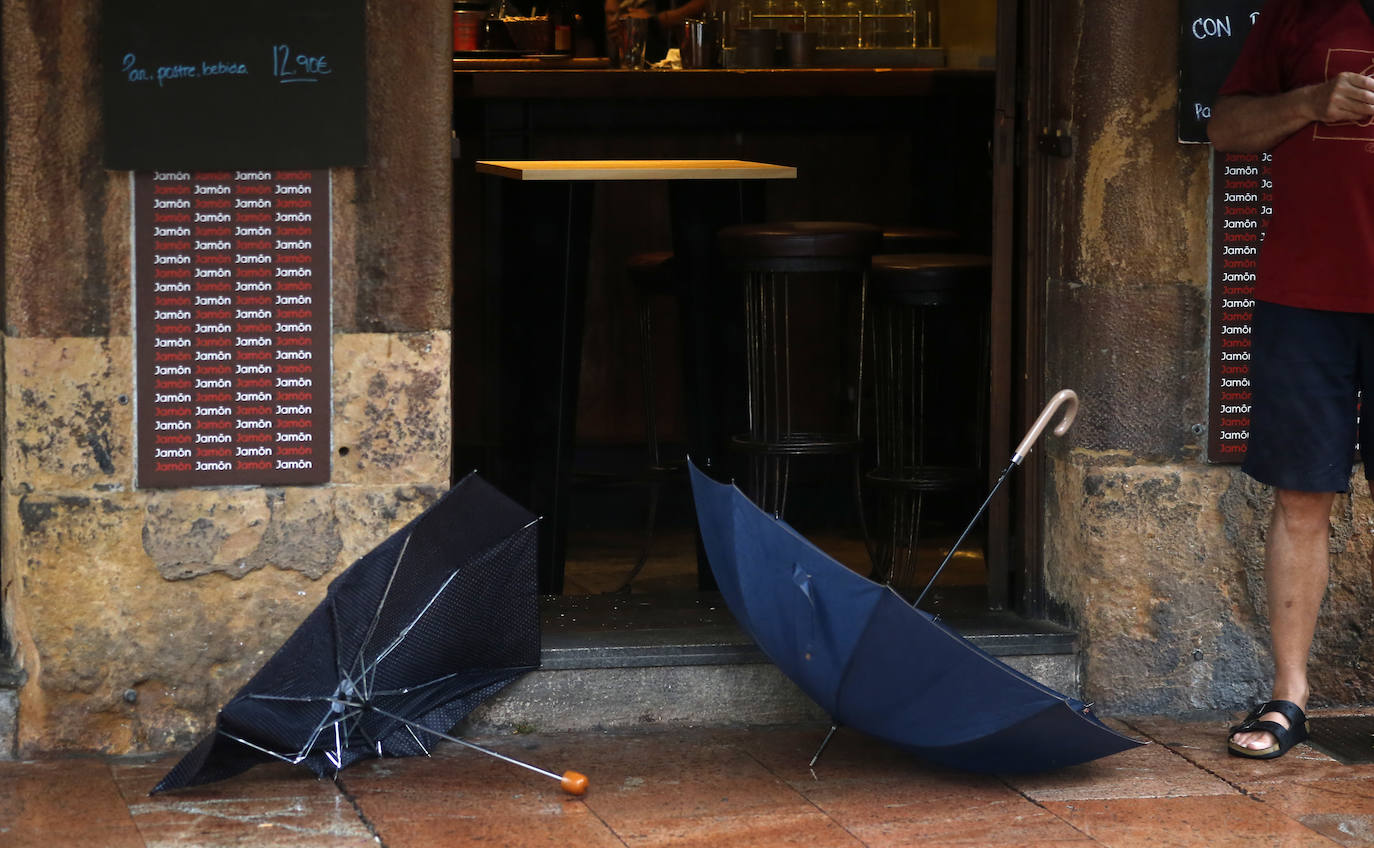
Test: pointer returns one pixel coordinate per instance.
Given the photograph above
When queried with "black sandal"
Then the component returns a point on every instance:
(1284, 737)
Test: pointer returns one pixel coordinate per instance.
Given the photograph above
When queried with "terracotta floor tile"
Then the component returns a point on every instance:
(753, 830)
(850, 756)
(1342, 810)
(1151, 771)
(461, 797)
(1007, 820)
(646, 789)
(275, 804)
(137, 777)
(397, 830)
(61, 802)
(856, 798)
(1225, 821)
(649, 777)
(1204, 743)
(1080, 842)
(470, 783)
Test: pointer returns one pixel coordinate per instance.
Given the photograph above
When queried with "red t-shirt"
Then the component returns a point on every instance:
(1318, 250)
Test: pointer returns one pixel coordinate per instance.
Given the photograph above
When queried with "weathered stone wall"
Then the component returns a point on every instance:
(1156, 553)
(134, 613)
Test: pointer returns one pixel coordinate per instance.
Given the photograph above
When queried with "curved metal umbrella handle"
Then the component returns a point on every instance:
(1063, 396)
(1060, 398)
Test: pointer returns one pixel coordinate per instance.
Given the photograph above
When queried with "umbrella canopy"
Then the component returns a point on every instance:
(408, 640)
(878, 664)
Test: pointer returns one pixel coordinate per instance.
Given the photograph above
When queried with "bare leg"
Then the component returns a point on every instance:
(1295, 574)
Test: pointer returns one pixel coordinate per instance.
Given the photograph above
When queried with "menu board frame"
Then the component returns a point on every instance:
(192, 84)
(1210, 35)
(232, 327)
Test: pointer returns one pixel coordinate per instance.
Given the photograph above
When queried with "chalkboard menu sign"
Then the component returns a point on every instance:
(244, 84)
(1210, 36)
(232, 327)
(1242, 198)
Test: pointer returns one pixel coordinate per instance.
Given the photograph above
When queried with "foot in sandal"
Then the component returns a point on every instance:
(1269, 731)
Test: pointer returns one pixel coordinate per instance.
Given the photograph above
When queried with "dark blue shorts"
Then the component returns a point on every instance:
(1307, 368)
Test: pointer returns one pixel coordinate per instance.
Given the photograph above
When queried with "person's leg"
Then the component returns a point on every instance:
(1295, 574)
(1307, 368)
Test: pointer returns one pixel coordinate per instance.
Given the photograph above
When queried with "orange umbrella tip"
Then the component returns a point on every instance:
(574, 783)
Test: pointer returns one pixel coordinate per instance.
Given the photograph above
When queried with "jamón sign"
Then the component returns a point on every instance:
(1242, 194)
(232, 294)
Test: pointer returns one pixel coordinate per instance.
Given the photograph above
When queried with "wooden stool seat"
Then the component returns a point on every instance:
(907, 238)
(804, 246)
(651, 273)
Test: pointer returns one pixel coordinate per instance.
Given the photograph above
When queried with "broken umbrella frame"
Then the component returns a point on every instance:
(408, 641)
(881, 665)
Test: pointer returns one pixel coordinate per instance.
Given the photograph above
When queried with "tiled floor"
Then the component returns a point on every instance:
(707, 787)
(710, 787)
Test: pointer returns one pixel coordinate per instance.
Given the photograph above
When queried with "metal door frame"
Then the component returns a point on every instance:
(1017, 355)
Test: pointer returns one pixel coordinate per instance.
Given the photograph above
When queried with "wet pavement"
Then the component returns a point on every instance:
(710, 787)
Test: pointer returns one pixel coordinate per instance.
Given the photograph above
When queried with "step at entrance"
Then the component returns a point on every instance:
(623, 660)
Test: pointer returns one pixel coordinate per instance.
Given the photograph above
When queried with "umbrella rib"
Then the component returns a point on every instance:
(357, 710)
(333, 699)
(406, 690)
(314, 734)
(411, 730)
(293, 759)
(337, 758)
(320, 728)
(359, 662)
(283, 757)
(369, 668)
(468, 744)
(381, 605)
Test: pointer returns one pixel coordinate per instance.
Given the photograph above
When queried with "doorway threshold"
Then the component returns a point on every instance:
(635, 630)
(677, 658)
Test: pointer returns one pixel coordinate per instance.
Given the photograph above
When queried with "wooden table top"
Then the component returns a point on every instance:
(634, 169)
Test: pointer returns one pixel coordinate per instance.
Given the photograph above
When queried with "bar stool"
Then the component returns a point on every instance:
(909, 238)
(783, 266)
(929, 321)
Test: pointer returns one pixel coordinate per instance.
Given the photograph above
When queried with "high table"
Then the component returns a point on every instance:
(545, 214)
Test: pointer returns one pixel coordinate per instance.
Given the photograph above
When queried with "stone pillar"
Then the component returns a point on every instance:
(134, 613)
(1156, 554)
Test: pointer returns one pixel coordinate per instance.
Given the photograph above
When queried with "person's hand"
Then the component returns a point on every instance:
(1347, 96)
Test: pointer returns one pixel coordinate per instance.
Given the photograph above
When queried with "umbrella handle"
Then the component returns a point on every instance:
(573, 782)
(1060, 398)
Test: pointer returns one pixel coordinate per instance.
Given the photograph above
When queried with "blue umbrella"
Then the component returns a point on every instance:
(880, 665)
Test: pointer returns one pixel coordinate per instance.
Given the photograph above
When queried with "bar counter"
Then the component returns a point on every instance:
(580, 108)
(591, 78)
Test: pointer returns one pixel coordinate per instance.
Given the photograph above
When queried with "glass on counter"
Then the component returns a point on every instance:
(889, 23)
(843, 24)
(699, 42)
(927, 17)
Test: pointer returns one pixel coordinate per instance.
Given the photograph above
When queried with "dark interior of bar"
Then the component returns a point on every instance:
(759, 237)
